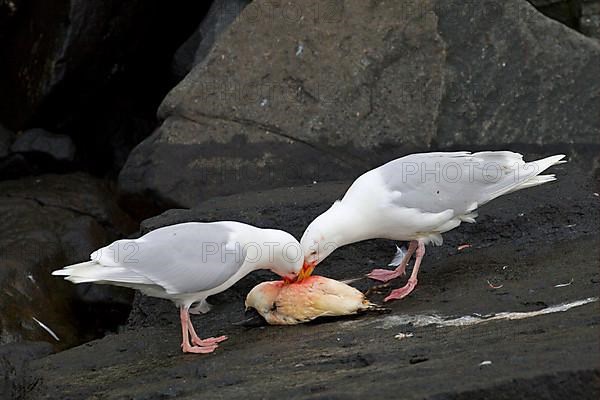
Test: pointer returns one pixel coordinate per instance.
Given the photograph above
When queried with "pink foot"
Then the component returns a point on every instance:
(401, 293)
(208, 342)
(385, 275)
(198, 349)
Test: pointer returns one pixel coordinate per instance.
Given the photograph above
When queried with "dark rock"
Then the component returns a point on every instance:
(584, 385)
(292, 95)
(94, 70)
(590, 18)
(14, 359)
(62, 54)
(48, 222)
(195, 49)
(59, 147)
(359, 357)
(6, 139)
(567, 12)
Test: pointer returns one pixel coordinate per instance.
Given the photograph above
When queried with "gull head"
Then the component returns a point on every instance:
(284, 255)
(320, 239)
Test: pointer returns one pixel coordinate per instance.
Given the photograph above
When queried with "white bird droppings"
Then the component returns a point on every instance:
(401, 335)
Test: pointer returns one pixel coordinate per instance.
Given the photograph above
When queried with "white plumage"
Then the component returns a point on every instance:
(417, 198)
(188, 262)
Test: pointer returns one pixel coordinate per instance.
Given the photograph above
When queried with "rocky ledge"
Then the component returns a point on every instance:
(531, 251)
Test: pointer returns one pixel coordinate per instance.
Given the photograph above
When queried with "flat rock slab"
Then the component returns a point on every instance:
(528, 242)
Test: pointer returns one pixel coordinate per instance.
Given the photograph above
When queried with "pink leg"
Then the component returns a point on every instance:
(412, 281)
(385, 275)
(203, 342)
(185, 344)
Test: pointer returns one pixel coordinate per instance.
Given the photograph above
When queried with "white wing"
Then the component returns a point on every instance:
(182, 258)
(460, 181)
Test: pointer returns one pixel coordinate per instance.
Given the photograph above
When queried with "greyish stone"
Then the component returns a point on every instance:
(60, 147)
(292, 94)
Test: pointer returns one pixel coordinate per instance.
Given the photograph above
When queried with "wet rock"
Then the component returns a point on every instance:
(47, 222)
(195, 49)
(59, 147)
(322, 96)
(519, 241)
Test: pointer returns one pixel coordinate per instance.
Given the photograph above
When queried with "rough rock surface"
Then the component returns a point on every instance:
(59, 147)
(528, 242)
(14, 359)
(48, 222)
(590, 18)
(195, 49)
(296, 93)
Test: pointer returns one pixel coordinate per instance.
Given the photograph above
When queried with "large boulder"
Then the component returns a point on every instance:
(48, 222)
(295, 94)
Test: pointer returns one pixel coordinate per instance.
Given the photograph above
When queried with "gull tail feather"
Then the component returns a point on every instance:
(92, 271)
(540, 166)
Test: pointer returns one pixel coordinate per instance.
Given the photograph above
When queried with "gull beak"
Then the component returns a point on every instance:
(306, 271)
(287, 279)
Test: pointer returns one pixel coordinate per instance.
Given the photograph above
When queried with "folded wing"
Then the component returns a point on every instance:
(183, 258)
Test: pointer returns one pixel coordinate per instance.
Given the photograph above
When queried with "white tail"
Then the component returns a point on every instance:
(540, 166)
(92, 271)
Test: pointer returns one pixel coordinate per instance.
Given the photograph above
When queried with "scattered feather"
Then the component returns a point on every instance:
(400, 253)
(464, 246)
(564, 284)
(486, 362)
(352, 280)
(46, 328)
(401, 335)
(494, 286)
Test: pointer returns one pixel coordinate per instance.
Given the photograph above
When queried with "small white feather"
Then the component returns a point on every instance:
(47, 329)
